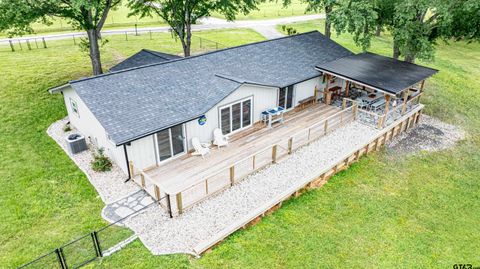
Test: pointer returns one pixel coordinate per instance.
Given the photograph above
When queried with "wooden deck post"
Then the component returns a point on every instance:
(130, 167)
(315, 94)
(290, 143)
(355, 110)
(421, 90)
(325, 127)
(157, 192)
(206, 186)
(385, 113)
(274, 154)
(344, 103)
(232, 175)
(179, 203)
(142, 179)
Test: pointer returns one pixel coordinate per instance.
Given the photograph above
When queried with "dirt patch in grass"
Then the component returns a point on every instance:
(430, 135)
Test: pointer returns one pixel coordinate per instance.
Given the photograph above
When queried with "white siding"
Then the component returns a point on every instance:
(263, 98)
(306, 89)
(142, 152)
(86, 123)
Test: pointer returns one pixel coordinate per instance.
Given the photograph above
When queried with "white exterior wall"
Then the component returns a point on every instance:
(142, 152)
(306, 89)
(262, 99)
(86, 123)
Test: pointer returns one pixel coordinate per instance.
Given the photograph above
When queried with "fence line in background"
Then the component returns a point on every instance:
(30, 43)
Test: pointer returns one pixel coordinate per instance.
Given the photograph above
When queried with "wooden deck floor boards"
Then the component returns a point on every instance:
(183, 171)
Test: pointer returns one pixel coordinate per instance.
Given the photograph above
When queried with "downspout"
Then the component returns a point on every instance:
(126, 159)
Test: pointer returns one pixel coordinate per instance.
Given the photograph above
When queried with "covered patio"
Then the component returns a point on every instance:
(383, 88)
(184, 181)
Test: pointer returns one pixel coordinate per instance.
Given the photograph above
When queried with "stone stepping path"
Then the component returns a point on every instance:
(123, 207)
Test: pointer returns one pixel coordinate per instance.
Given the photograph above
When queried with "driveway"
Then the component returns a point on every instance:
(264, 27)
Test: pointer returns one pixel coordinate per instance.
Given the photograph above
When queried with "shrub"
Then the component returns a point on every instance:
(101, 163)
(67, 128)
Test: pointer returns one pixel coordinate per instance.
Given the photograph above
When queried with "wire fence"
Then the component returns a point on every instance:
(89, 247)
(74, 39)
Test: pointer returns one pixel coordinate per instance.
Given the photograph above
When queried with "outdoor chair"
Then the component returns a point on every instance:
(200, 148)
(219, 139)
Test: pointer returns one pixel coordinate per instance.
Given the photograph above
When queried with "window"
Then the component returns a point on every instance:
(285, 97)
(171, 142)
(236, 116)
(74, 106)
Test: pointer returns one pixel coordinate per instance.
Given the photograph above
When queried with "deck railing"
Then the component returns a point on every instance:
(227, 176)
(381, 120)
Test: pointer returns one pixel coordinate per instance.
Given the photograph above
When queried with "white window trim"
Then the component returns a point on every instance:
(241, 114)
(172, 157)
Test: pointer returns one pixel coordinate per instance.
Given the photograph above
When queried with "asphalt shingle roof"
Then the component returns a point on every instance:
(136, 102)
(384, 73)
(143, 57)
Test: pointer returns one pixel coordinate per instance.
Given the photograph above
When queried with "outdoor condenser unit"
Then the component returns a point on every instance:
(76, 143)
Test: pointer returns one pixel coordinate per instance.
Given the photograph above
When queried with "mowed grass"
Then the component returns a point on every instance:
(387, 211)
(45, 199)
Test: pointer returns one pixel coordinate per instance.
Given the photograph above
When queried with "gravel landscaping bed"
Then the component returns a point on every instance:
(162, 235)
(430, 135)
(109, 185)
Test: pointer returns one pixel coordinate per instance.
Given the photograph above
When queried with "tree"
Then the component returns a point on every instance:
(358, 18)
(180, 15)
(417, 25)
(385, 10)
(325, 6)
(17, 16)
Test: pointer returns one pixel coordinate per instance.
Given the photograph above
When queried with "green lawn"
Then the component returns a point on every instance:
(386, 211)
(45, 199)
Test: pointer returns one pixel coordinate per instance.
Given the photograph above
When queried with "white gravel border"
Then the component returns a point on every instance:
(109, 185)
(162, 235)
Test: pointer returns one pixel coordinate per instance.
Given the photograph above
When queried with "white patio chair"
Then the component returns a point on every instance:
(200, 148)
(219, 139)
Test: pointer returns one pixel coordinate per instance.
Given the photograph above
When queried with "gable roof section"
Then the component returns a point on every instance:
(137, 102)
(383, 73)
(143, 57)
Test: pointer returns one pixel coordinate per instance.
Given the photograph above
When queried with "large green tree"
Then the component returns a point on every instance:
(182, 14)
(17, 16)
(416, 25)
(324, 6)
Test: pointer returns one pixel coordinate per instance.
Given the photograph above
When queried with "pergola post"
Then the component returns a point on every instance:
(405, 97)
(387, 106)
(421, 90)
(347, 87)
(326, 93)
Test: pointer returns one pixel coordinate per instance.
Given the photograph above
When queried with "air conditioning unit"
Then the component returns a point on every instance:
(76, 143)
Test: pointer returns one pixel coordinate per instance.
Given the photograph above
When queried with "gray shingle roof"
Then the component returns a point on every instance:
(384, 73)
(136, 102)
(143, 57)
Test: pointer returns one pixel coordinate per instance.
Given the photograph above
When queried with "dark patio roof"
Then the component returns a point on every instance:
(379, 72)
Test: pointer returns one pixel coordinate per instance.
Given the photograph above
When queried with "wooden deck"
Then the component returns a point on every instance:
(182, 172)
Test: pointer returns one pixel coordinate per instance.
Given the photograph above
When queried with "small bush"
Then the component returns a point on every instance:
(101, 163)
(290, 30)
(67, 128)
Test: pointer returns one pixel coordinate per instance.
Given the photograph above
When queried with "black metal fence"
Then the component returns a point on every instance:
(88, 248)
(74, 39)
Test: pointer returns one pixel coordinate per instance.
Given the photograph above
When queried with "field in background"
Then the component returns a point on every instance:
(386, 211)
(119, 18)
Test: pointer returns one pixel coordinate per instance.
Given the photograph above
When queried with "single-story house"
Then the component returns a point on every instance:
(148, 114)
